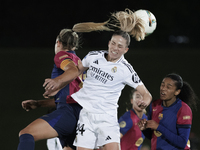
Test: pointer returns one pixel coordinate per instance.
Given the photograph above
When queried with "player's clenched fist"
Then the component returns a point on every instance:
(29, 104)
(142, 124)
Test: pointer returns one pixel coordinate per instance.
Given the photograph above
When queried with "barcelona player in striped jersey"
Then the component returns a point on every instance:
(170, 117)
(130, 134)
(61, 122)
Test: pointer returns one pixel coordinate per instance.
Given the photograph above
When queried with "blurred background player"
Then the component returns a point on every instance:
(130, 134)
(61, 122)
(170, 117)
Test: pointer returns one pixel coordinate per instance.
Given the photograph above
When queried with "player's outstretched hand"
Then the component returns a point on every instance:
(51, 84)
(52, 87)
(49, 93)
(29, 104)
(142, 124)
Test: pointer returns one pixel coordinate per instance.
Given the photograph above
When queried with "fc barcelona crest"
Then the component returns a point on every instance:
(160, 116)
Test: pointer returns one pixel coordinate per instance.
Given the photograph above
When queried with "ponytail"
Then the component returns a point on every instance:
(127, 21)
(188, 95)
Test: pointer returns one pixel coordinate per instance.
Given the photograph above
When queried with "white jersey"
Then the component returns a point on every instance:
(104, 82)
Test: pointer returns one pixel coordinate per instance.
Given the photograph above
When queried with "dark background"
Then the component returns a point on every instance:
(27, 35)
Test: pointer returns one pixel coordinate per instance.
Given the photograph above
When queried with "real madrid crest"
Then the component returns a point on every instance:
(114, 69)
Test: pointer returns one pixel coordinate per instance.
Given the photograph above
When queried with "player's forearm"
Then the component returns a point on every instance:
(147, 98)
(145, 93)
(67, 77)
(46, 103)
(179, 140)
(71, 73)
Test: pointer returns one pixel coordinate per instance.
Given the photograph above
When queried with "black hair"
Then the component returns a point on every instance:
(187, 94)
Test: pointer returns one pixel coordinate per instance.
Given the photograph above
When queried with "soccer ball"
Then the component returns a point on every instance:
(149, 19)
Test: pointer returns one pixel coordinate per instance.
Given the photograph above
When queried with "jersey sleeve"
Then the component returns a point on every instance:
(125, 122)
(132, 79)
(86, 60)
(62, 59)
(179, 140)
(184, 115)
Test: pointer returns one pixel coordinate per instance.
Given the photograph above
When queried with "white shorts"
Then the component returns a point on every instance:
(94, 130)
(54, 144)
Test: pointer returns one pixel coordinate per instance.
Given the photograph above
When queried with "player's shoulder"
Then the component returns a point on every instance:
(95, 54)
(184, 107)
(125, 116)
(184, 104)
(126, 65)
(100, 52)
(65, 54)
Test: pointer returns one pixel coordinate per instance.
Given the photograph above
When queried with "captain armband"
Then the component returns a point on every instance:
(65, 63)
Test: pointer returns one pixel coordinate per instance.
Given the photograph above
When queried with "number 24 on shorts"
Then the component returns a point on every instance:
(80, 128)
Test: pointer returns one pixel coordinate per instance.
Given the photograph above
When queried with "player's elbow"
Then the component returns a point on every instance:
(185, 142)
(182, 142)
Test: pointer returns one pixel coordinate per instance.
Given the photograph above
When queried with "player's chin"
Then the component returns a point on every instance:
(139, 109)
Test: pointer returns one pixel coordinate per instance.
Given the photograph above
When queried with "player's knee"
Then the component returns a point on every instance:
(23, 131)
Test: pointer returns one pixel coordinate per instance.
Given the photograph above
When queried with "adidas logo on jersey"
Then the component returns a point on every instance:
(108, 138)
(96, 62)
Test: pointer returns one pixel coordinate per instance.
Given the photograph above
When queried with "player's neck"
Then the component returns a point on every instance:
(139, 113)
(108, 58)
(168, 103)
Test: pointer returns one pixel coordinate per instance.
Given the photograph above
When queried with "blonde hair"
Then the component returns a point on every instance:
(126, 21)
(69, 39)
(91, 26)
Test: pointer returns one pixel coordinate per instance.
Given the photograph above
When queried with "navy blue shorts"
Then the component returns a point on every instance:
(64, 120)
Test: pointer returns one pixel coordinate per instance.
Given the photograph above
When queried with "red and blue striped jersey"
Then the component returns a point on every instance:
(64, 95)
(174, 125)
(132, 136)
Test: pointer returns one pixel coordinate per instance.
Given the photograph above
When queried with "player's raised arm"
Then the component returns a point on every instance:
(146, 96)
(52, 86)
(33, 104)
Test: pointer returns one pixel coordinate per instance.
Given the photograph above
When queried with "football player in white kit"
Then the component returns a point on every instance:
(107, 74)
